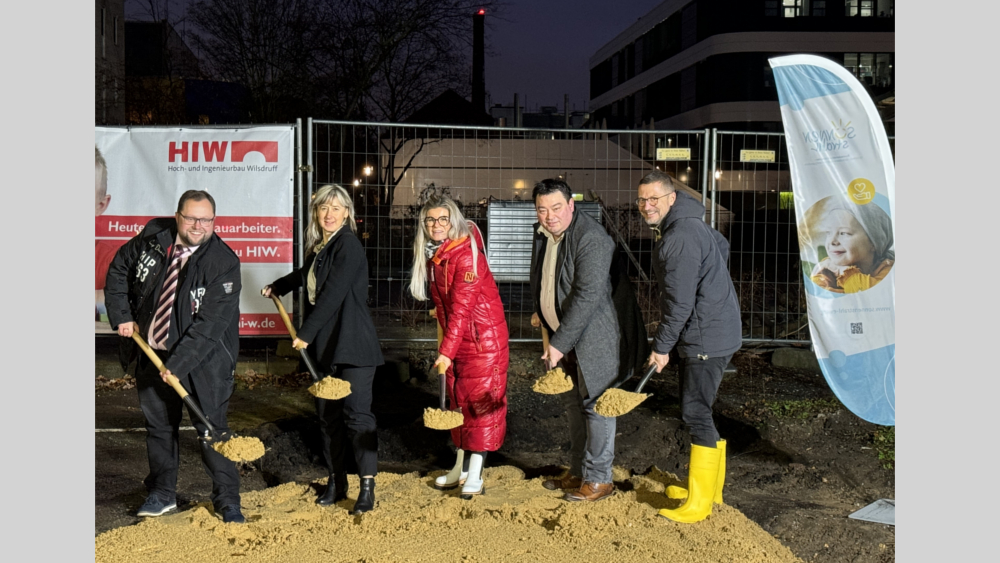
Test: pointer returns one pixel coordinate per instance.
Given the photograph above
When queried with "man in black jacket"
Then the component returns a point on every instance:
(700, 315)
(178, 285)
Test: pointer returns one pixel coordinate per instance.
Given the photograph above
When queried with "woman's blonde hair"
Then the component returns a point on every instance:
(459, 228)
(324, 195)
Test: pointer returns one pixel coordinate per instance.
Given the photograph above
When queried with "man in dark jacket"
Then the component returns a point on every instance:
(570, 261)
(700, 315)
(177, 284)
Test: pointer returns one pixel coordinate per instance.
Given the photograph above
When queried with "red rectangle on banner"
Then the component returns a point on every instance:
(262, 251)
(126, 226)
(252, 324)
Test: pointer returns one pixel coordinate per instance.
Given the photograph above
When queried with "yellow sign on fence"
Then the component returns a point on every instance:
(756, 156)
(673, 154)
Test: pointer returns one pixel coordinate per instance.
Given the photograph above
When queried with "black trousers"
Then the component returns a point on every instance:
(699, 383)
(349, 422)
(162, 407)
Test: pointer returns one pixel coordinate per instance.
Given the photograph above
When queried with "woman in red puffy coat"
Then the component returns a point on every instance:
(474, 344)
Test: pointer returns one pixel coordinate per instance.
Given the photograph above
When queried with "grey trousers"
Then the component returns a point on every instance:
(591, 436)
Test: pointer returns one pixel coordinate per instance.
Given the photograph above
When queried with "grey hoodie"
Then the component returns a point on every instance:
(699, 311)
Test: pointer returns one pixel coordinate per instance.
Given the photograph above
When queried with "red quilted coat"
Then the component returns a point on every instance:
(475, 339)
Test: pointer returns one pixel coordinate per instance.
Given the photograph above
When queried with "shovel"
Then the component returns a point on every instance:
(176, 384)
(246, 449)
(339, 389)
(554, 381)
(313, 372)
(443, 419)
(616, 402)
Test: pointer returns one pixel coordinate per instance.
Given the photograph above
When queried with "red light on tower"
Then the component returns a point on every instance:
(482, 12)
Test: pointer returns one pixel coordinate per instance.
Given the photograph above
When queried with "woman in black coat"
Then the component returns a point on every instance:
(338, 331)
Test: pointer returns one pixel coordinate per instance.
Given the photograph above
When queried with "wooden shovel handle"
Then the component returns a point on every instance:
(284, 316)
(313, 371)
(545, 345)
(171, 379)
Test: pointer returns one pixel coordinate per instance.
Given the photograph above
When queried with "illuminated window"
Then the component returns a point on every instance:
(863, 8)
(791, 8)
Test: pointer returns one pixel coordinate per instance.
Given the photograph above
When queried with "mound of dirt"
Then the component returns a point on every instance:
(241, 448)
(554, 382)
(330, 388)
(517, 520)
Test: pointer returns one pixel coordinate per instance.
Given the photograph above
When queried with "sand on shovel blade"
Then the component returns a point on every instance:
(240, 448)
(442, 420)
(616, 402)
(330, 388)
(554, 382)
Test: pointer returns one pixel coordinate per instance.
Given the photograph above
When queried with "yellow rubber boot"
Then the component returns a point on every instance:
(676, 492)
(703, 476)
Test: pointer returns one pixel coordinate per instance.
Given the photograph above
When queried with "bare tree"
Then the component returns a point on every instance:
(390, 57)
(154, 91)
(263, 45)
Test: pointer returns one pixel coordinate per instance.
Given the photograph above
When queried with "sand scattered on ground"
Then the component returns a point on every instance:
(518, 520)
(330, 388)
(442, 420)
(554, 382)
(616, 402)
(240, 448)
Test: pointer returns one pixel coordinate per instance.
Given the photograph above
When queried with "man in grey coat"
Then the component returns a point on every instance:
(700, 316)
(570, 261)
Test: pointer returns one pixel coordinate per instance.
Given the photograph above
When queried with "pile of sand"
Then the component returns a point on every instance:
(616, 402)
(240, 449)
(443, 420)
(330, 388)
(517, 520)
(554, 382)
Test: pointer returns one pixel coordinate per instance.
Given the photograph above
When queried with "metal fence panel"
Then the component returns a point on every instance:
(490, 172)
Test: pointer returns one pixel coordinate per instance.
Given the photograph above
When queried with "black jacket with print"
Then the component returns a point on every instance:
(204, 325)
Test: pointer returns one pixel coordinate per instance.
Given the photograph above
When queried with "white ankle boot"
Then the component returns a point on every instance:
(455, 477)
(474, 482)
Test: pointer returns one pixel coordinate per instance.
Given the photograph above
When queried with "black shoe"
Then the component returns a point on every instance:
(336, 489)
(366, 496)
(156, 507)
(231, 514)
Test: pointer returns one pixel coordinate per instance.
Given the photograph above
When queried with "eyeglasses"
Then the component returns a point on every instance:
(200, 220)
(444, 221)
(641, 202)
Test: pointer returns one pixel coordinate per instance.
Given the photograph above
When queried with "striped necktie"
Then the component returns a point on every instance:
(161, 320)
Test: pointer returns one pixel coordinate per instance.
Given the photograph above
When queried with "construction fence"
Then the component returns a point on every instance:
(742, 177)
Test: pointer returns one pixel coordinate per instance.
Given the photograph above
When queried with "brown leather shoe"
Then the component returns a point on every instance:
(590, 492)
(568, 482)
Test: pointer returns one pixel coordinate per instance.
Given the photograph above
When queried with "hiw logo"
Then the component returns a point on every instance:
(216, 150)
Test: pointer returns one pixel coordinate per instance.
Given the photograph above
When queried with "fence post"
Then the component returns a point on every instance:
(304, 212)
(715, 153)
(706, 149)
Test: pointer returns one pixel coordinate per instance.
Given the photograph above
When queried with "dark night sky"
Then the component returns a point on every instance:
(541, 48)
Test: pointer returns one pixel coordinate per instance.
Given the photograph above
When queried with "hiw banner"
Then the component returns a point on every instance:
(248, 171)
(844, 185)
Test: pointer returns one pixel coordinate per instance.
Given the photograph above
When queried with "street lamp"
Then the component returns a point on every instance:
(368, 170)
(357, 183)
